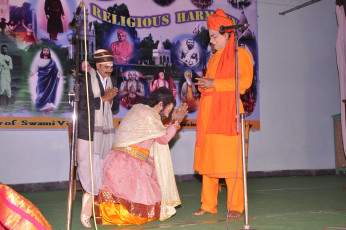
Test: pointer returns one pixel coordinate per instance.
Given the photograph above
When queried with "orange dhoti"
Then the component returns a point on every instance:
(219, 157)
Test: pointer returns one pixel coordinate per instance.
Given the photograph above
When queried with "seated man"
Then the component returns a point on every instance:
(138, 172)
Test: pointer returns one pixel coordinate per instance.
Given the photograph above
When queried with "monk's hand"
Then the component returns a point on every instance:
(205, 83)
(180, 113)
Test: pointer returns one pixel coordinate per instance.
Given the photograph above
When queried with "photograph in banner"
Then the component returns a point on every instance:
(132, 88)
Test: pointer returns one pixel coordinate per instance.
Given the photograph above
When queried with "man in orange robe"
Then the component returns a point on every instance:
(218, 147)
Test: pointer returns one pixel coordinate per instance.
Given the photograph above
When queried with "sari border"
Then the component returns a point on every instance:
(136, 209)
(20, 212)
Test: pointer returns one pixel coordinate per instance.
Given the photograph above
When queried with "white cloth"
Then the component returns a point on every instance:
(165, 176)
(83, 169)
(103, 126)
(140, 123)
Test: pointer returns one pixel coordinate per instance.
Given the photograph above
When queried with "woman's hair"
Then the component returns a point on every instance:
(161, 94)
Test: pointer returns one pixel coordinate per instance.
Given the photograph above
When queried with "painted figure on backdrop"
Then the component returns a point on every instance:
(189, 93)
(11, 29)
(164, 2)
(3, 25)
(48, 78)
(189, 54)
(163, 80)
(103, 103)
(122, 49)
(131, 90)
(54, 14)
(6, 66)
(83, 69)
(216, 148)
(30, 37)
(139, 184)
(240, 4)
(249, 101)
(202, 4)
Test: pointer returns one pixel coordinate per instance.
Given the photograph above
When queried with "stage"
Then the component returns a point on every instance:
(287, 203)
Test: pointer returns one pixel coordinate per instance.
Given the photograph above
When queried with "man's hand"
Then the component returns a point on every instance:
(109, 94)
(180, 113)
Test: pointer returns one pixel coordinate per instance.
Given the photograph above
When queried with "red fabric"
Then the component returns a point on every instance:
(219, 19)
(222, 118)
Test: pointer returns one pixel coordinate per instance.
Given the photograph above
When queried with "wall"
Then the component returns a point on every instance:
(299, 92)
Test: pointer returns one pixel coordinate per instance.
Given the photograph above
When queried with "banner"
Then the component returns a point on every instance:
(156, 43)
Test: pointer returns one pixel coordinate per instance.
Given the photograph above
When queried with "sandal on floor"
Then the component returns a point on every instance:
(86, 212)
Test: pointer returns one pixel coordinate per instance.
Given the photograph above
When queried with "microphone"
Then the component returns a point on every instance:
(74, 23)
(224, 28)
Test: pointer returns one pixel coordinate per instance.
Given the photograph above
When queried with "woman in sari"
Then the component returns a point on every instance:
(139, 184)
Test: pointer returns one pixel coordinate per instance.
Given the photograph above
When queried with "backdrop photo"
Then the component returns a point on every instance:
(156, 43)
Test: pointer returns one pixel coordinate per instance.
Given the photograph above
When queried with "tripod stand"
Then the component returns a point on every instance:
(73, 100)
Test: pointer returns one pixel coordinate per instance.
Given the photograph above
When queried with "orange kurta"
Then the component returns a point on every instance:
(217, 155)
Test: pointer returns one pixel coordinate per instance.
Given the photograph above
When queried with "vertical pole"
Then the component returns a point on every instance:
(73, 149)
(242, 118)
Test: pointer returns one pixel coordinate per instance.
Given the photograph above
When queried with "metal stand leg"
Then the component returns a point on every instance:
(74, 100)
(246, 226)
(73, 162)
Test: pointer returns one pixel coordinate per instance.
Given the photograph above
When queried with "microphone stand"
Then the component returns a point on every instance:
(74, 101)
(242, 118)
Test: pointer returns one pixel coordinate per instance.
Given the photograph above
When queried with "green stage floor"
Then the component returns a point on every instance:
(287, 203)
